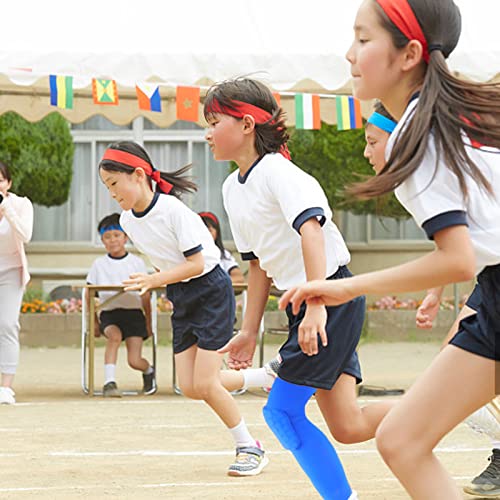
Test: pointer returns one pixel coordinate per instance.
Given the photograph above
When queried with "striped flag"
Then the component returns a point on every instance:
(104, 91)
(348, 112)
(61, 91)
(148, 97)
(307, 112)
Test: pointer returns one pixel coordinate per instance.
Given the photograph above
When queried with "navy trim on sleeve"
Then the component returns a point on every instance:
(307, 214)
(442, 221)
(192, 251)
(248, 256)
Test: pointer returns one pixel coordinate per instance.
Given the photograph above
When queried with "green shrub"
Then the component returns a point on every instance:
(335, 159)
(40, 156)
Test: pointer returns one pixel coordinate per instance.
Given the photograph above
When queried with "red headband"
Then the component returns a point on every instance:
(244, 108)
(134, 161)
(402, 15)
(209, 215)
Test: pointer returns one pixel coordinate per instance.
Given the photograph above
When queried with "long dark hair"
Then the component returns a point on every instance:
(4, 170)
(269, 136)
(211, 220)
(180, 182)
(447, 107)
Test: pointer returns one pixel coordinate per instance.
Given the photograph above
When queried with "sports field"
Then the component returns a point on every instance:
(57, 443)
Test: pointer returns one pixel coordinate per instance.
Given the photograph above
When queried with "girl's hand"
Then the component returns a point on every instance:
(318, 292)
(141, 282)
(240, 349)
(428, 311)
(313, 324)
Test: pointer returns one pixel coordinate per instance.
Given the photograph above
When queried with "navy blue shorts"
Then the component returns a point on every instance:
(204, 311)
(480, 333)
(131, 322)
(343, 328)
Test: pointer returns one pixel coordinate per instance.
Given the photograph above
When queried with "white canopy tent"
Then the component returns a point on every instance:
(292, 46)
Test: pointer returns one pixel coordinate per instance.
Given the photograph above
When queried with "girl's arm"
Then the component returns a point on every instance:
(241, 348)
(429, 308)
(236, 276)
(313, 252)
(21, 219)
(193, 266)
(452, 261)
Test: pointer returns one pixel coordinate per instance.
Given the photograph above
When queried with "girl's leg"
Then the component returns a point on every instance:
(348, 422)
(285, 415)
(184, 367)
(208, 386)
(456, 384)
(134, 354)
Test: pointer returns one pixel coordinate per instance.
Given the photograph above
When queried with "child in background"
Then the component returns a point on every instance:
(443, 161)
(181, 248)
(123, 318)
(227, 261)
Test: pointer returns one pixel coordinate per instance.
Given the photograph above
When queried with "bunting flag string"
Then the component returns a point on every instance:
(307, 106)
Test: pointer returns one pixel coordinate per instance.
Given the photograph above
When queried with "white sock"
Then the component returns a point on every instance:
(149, 370)
(256, 377)
(242, 436)
(109, 373)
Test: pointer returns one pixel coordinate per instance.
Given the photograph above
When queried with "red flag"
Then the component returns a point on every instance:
(187, 102)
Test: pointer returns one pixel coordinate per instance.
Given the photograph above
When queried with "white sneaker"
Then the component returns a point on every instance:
(7, 396)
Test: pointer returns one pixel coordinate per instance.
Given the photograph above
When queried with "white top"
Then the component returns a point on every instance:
(107, 270)
(266, 209)
(434, 199)
(16, 228)
(227, 261)
(168, 232)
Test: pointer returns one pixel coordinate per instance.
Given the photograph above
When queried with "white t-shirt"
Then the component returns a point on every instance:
(168, 232)
(107, 270)
(434, 199)
(266, 209)
(228, 262)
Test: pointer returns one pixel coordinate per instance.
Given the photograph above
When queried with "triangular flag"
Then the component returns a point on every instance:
(104, 91)
(148, 96)
(187, 101)
(348, 112)
(307, 111)
(277, 98)
(61, 91)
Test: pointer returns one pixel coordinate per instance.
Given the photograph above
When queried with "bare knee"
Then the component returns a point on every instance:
(392, 443)
(204, 389)
(346, 432)
(188, 390)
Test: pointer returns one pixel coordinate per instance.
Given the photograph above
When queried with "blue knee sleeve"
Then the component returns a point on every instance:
(285, 415)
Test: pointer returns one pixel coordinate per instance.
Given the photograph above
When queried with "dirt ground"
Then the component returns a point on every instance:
(57, 443)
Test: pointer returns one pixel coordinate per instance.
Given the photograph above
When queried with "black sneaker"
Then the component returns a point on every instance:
(149, 383)
(487, 484)
(110, 390)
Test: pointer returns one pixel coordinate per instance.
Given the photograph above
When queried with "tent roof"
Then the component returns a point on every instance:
(290, 46)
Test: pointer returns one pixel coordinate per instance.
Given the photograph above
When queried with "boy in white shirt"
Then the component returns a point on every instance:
(128, 317)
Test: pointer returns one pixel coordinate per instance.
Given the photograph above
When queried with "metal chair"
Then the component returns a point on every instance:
(87, 345)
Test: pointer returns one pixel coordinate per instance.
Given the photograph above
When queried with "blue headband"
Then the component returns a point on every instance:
(382, 122)
(113, 227)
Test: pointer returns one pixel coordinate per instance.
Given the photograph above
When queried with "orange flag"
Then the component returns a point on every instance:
(277, 97)
(187, 101)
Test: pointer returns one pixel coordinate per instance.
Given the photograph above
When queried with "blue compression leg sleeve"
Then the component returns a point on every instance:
(285, 414)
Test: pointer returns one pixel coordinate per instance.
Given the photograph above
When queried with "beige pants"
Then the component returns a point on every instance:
(11, 295)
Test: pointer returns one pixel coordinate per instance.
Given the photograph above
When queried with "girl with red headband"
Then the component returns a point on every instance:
(184, 254)
(282, 225)
(443, 161)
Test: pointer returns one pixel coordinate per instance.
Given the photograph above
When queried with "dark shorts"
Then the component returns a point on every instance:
(131, 322)
(204, 311)
(480, 333)
(343, 328)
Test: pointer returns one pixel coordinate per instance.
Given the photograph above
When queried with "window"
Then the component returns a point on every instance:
(89, 201)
